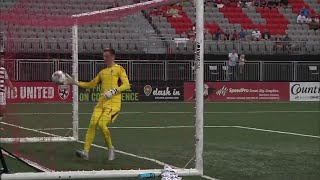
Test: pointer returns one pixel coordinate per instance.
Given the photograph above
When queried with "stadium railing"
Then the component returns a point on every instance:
(160, 45)
(149, 70)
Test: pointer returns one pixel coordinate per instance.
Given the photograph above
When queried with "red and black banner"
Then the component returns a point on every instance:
(155, 91)
(34, 92)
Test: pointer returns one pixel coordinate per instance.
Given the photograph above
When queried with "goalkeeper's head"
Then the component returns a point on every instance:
(109, 56)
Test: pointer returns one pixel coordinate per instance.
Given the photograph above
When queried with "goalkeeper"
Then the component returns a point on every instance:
(109, 103)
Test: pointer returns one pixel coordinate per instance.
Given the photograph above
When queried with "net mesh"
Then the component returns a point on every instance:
(64, 13)
(149, 131)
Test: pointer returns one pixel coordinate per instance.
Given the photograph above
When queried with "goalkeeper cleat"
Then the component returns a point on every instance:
(82, 154)
(111, 154)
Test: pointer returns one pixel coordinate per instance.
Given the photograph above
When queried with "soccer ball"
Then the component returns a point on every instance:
(58, 77)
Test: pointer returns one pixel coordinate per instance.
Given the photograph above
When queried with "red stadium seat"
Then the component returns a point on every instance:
(276, 23)
(298, 4)
(274, 19)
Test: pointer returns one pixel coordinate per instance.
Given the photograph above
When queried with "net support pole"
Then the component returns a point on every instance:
(75, 102)
(3, 163)
(199, 56)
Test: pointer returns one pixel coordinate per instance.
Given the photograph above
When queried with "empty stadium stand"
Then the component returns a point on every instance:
(153, 30)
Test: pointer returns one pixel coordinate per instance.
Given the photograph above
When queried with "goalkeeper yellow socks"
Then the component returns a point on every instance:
(107, 137)
(90, 135)
(109, 142)
(89, 138)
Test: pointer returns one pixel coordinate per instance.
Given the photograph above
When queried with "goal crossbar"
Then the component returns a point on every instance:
(93, 174)
(143, 5)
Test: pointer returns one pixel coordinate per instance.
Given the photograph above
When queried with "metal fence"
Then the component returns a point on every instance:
(142, 70)
(159, 46)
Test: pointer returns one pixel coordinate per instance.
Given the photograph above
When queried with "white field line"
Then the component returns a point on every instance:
(166, 127)
(208, 177)
(29, 129)
(173, 112)
(279, 132)
(121, 152)
(136, 127)
(177, 127)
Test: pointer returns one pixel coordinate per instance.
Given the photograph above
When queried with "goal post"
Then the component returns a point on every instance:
(75, 98)
(199, 68)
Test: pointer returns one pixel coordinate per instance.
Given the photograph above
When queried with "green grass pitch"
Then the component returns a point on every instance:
(241, 140)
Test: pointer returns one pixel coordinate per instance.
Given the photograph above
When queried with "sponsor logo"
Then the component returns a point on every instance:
(147, 90)
(161, 93)
(166, 92)
(305, 91)
(299, 89)
(64, 91)
(223, 91)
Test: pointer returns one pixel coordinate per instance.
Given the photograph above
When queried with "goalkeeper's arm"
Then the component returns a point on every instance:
(87, 85)
(124, 81)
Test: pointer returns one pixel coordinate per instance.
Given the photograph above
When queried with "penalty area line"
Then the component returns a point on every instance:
(177, 127)
(137, 127)
(275, 131)
(169, 112)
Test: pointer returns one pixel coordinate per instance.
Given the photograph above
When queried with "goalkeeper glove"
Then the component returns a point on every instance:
(108, 94)
(69, 80)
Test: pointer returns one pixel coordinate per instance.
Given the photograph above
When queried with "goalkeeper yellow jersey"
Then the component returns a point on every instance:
(110, 77)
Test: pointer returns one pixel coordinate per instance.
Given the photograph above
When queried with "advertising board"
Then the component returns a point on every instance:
(240, 91)
(34, 92)
(304, 91)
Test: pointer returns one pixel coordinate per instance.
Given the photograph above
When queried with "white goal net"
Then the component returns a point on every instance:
(156, 133)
